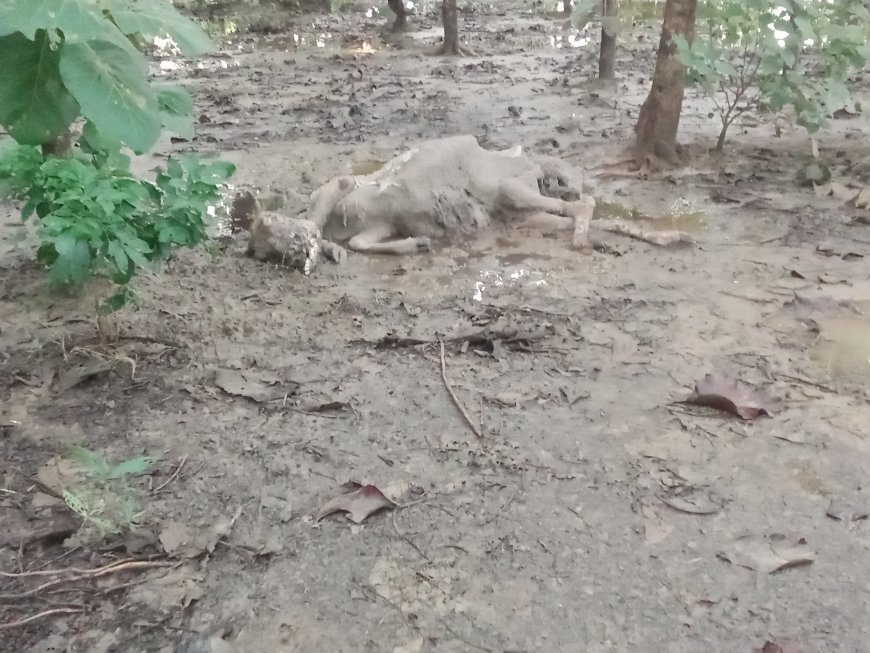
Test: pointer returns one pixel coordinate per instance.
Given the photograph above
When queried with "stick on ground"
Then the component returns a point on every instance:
(453, 396)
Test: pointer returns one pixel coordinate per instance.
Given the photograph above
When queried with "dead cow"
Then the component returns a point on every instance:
(452, 187)
(445, 189)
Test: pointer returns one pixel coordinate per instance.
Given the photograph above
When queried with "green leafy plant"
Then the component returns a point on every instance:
(96, 218)
(798, 54)
(106, 502)
(78, 63)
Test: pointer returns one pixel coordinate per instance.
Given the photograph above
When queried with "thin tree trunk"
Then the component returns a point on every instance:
(607, 54)
(567, 8)
(451, 26)
(398, 8)
(659, 117)
(58, 146)
(451, 45)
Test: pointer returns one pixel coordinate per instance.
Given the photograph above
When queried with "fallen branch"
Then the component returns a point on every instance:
(78, 574)
(172, 477)
(455, 399)
(23, 622)
(476, 338)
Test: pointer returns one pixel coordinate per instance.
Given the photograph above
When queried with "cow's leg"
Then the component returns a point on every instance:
(520, 198)
(374, 241)
(546, 221)
(398, 8)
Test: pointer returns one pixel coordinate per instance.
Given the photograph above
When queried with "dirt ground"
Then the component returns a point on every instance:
(594, 513)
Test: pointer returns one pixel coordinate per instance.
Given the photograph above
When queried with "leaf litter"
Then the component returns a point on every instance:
(359, 504)
(768, 554)
(253, 386)
(733, 396)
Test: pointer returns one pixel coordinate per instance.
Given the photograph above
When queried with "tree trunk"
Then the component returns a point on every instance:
(451, 45)
(567, 8)
(659, 117)
(398, 8)
(607, 54)
(451, 26)
(58, 146)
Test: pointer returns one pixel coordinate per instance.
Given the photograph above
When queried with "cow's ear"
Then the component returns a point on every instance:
(344, 183)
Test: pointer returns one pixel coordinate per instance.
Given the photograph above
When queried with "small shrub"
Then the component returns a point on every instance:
(79, 63)
(797, 54)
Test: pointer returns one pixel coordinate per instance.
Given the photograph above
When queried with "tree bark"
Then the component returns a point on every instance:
(398, 8)
(58, 146)
(451, 26)
(607, 53)
(659, 117)
(451, 45)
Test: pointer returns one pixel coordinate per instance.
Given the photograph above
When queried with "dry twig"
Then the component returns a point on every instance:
(41, 615)
(453, 396)
(172, 477)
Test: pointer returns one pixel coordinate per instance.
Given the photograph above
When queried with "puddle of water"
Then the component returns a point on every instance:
(518, 258)
(318, 42)
(366, 166)
(844, 345)
(576, 39)
(688, 221)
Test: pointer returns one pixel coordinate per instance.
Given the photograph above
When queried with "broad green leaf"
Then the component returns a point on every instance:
(176, 109)
(34, 105)
(179, 125)
(175, 100)
(161, 19)
(136, 465)
(124, 297)
(112, 88)
(79, 20)
(73, 262)
(93, 462)
(94, 140)
(116, 251)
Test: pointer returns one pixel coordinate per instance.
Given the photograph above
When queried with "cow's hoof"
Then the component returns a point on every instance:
(423, 244)
(335, 253)
(581, 240)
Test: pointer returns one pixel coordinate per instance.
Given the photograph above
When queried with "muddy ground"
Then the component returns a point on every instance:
(594, 513)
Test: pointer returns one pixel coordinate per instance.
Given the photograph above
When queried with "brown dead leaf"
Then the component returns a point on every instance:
(693, 502)
(512, 399)
(844, 511)
(768, 554)
(251, 385)
(166, 591)
(190, 542)
(81, 372)
(734, 397)
(781, 646)
(655, 528)
(359, 504)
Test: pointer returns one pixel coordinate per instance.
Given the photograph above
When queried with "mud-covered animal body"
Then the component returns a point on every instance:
(447, 189)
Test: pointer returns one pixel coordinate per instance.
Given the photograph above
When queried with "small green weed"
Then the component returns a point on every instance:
(105, 500)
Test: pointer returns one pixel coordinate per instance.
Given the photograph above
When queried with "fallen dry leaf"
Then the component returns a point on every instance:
(164, 592)
(843, 511)
(248, 385)
(359, 504)
(693, 502)
(782, 646)
(768, 553)
(734, 397)
(81, 372)
(189, 542)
